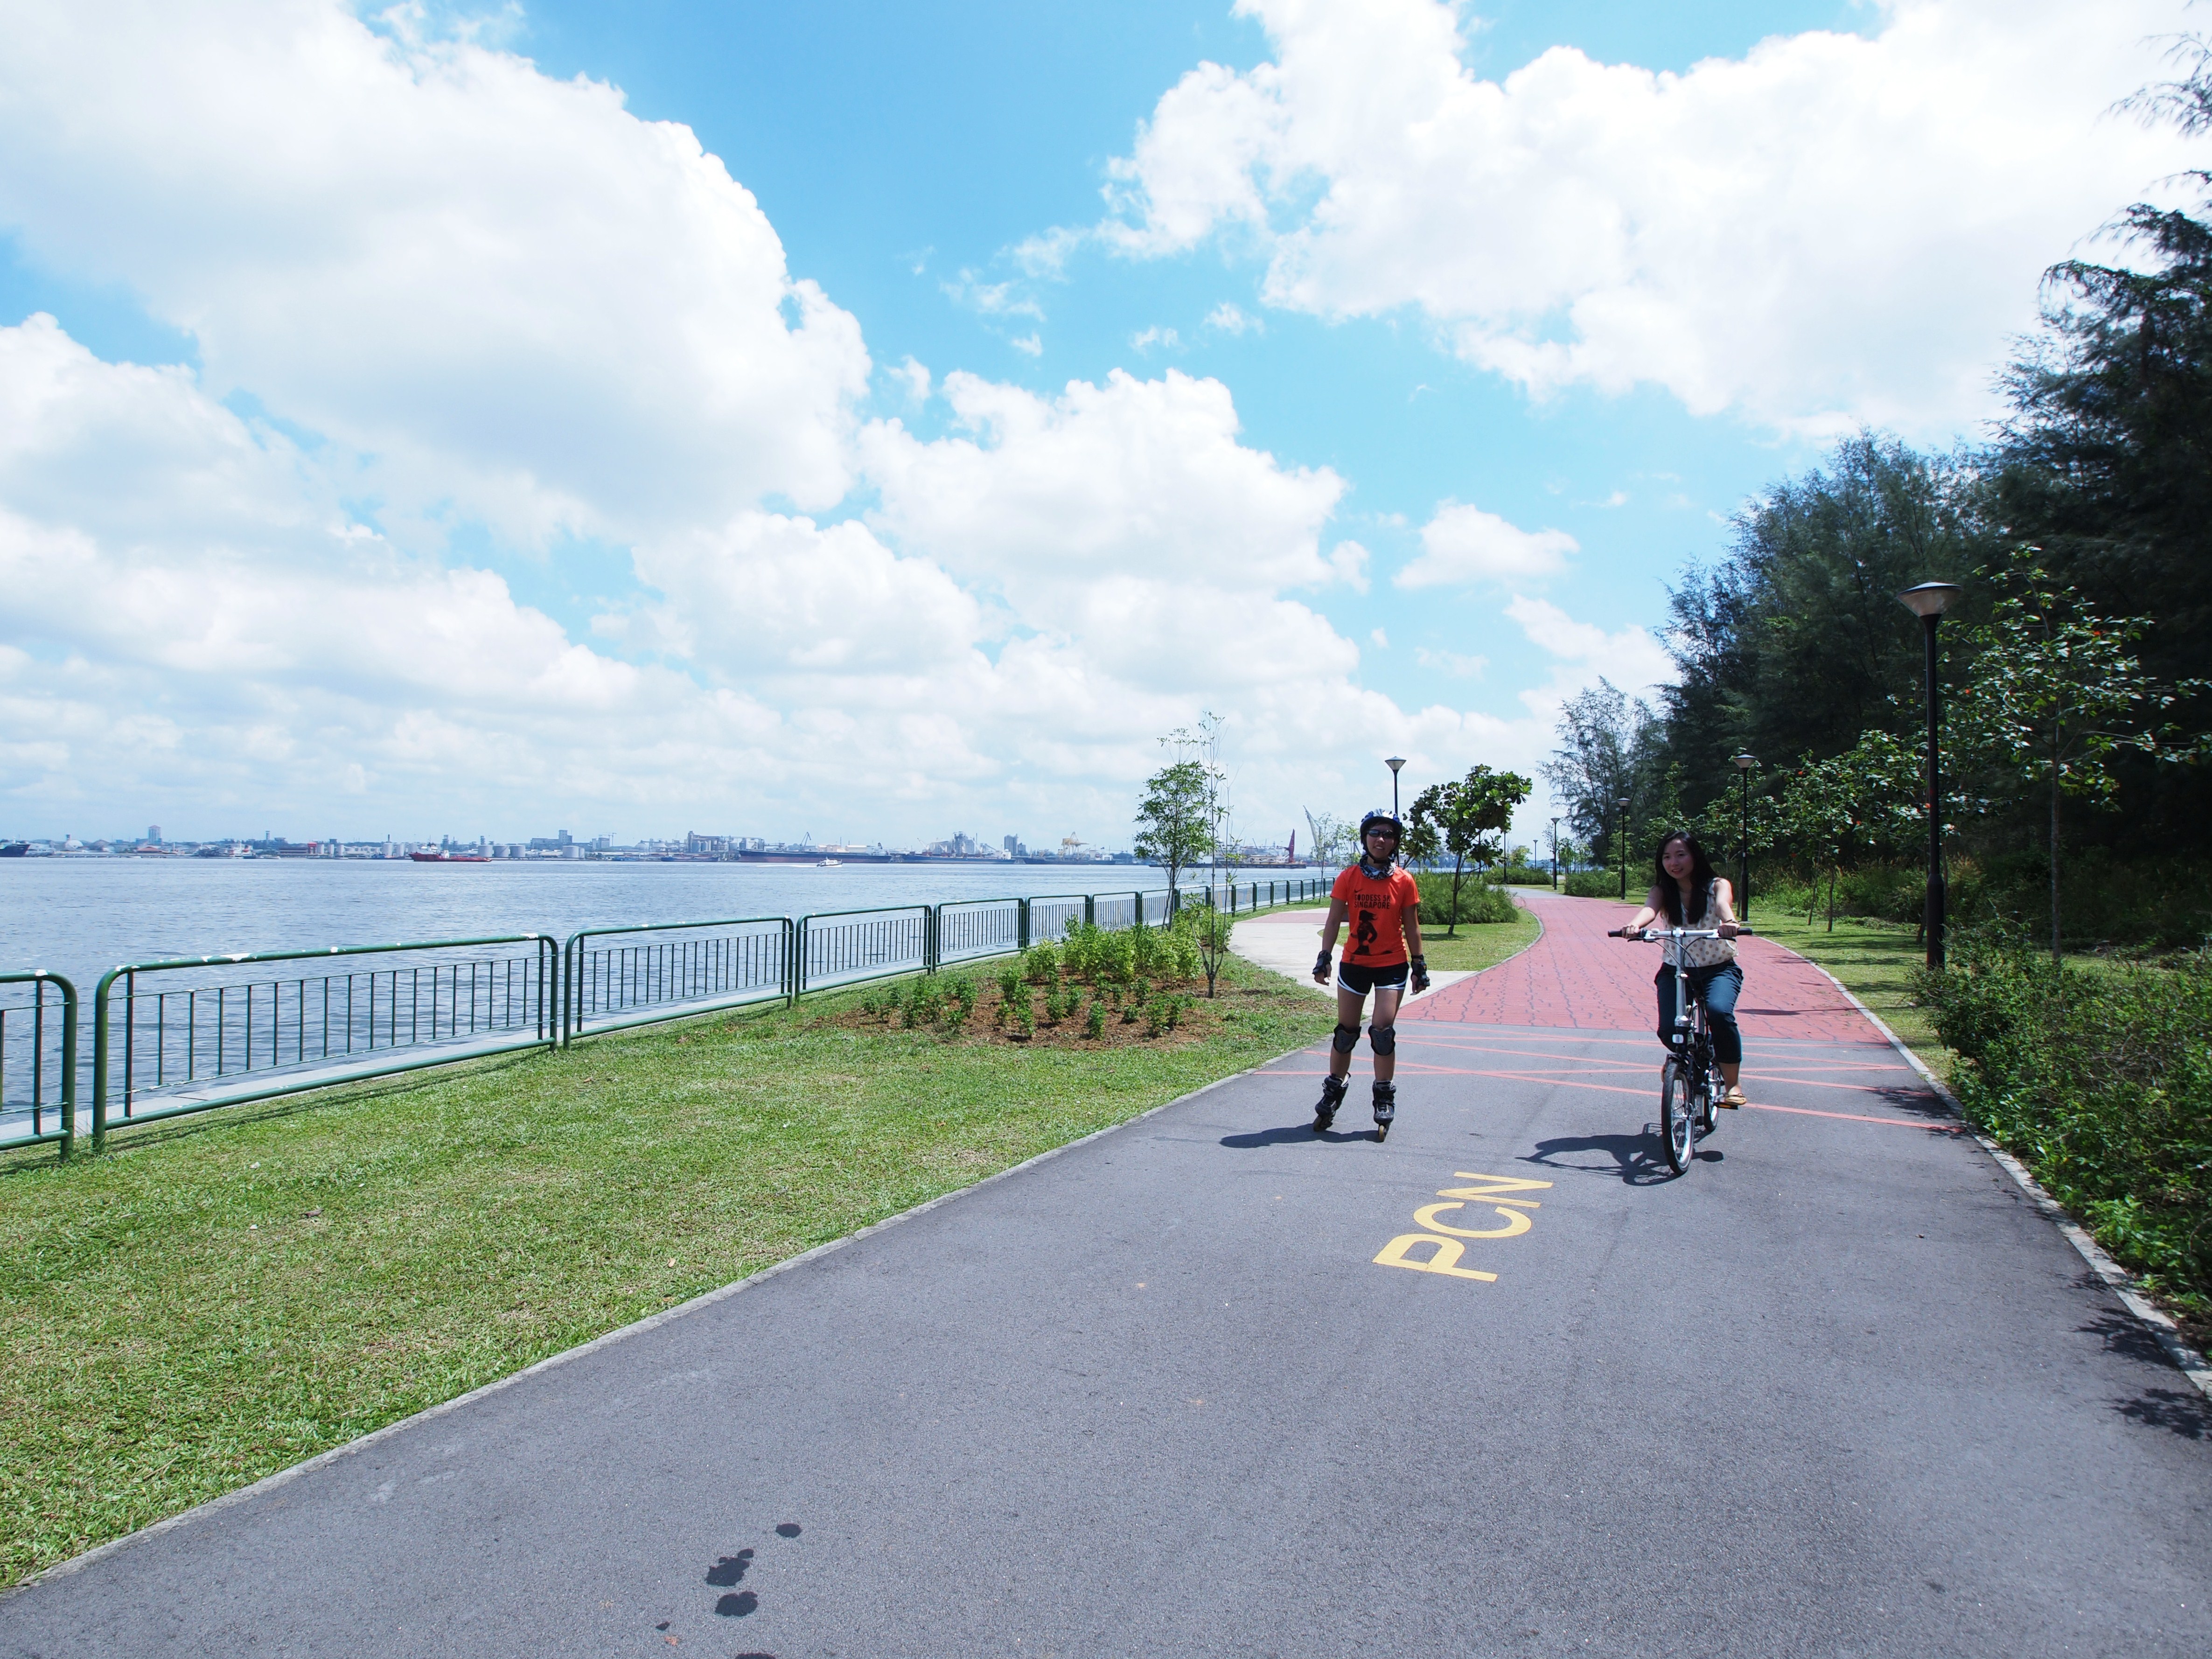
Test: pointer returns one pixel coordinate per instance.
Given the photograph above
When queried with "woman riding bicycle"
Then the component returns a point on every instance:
(1686, 893)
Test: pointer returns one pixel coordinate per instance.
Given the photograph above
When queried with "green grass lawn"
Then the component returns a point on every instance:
(1874, 961)
(218, 1297)
(1478, 944)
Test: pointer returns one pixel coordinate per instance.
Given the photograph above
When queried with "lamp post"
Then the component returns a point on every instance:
(1393, 764)
(1744, 762)
(1555, 855)
(1620, 834)
(1929, 602)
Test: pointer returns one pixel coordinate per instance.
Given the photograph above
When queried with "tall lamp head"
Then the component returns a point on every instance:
(1929, 599)
(1744, 762)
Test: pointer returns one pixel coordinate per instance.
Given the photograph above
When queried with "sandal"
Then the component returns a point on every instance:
(1734, 1098)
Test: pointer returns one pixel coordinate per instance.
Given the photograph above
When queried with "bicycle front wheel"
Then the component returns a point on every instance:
(1675, 1116)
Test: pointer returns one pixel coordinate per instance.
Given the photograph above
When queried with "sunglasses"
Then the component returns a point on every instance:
(1387, 835)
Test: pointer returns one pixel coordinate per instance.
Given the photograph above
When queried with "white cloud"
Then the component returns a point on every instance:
(1349, 560)
(1630, 658)
(1451, 662)
(915, 378)
(1145, 338)
(1380, 639)
(1030, 344)
(1829, 229)
(1231, 319)
(526, 304)
(1465, 544)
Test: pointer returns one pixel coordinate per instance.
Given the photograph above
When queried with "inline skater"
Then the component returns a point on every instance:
(1383, 951)
(1686, 893)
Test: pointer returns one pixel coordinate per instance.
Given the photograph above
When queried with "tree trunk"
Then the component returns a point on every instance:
(2054, 848)
(1451, 927)
(1831, 898)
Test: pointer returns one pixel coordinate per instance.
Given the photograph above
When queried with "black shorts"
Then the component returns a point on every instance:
(1350, 976)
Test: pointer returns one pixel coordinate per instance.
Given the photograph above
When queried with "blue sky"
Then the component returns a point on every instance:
(1037, 380)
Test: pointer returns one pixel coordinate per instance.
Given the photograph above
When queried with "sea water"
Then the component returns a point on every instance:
(80, 916)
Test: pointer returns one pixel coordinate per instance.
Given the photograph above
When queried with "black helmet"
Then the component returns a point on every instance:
(1380, 814)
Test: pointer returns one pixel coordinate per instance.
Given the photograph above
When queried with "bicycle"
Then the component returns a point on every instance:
(1690, 1085)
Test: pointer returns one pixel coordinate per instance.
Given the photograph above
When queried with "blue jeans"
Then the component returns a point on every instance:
(1717, 987)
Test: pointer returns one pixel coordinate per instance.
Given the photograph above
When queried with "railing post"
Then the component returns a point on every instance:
(798, 961)
(1022, 926)
(68, 1066)
(932, 939)
(1140, 898)
(1090, 909)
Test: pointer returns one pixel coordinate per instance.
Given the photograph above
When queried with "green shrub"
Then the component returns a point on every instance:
(2101, 1083)
(1524, 875)
(1114, 958)
(1593, 884)
(1147, 949)
(1095, 1026)
(1040, 964)
(1478, 901)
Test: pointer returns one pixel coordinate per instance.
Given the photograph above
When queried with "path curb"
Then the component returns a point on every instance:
(2117, 1279)
(283, 1477)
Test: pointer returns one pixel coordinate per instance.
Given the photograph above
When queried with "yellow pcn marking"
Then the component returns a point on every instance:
(1516, 1223)
(1449, 1251)
(1493, 1192)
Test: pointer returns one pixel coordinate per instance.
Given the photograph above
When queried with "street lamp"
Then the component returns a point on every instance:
(1744, 762)
(1929, 602)
(1555, 855)
(1620, 834)
(1393, 764)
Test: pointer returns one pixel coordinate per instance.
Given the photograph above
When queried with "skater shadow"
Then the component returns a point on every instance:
(1639, 1160)
(1288, 1134)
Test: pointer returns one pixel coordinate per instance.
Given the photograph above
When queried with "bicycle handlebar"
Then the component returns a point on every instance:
(1660, 935)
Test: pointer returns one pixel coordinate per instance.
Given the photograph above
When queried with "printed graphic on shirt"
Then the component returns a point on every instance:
(1378, 910)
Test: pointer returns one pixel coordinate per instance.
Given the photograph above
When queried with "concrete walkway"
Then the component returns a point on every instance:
(1208, 1384)
(1288, 940)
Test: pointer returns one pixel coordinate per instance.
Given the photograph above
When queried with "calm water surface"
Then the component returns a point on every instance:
(82, 916)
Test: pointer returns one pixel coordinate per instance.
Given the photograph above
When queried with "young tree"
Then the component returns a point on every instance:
(1175, 815)
(1332, 838)
(1467, 819)
(2055, 692)
(1184, 810)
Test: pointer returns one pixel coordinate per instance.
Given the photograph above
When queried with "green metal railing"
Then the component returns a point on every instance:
(616, 977)
(189, 1035)
(847, 947)
(37, 1061)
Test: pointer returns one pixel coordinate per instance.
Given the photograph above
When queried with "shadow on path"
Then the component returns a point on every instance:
(1292, 1131)
(1637, 1159)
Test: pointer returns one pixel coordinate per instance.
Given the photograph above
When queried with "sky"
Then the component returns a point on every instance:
(882, 421)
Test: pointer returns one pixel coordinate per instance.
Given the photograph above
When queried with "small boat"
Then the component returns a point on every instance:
(449, 858)
(828, 864)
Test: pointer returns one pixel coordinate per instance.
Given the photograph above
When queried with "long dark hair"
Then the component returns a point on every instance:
(1701, 876)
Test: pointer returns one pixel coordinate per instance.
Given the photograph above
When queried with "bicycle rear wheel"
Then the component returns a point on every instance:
(1674, 1115)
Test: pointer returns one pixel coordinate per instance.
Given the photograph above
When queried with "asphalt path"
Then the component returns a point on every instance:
(1195, 1386)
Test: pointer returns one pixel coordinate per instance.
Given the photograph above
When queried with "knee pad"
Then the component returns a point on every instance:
(1346, 1039)
(1384, 1037)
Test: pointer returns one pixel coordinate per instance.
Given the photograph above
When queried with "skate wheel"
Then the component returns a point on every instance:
(1381, 1131)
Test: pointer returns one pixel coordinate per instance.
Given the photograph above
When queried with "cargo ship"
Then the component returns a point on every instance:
(449, 858)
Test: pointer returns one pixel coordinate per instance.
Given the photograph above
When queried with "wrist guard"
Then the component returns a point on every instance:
(1320, 965)
(1420, 966)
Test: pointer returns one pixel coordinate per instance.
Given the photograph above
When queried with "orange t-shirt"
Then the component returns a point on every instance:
(1377, 914)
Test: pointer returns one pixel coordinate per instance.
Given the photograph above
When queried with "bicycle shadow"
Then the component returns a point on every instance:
(1638, 1160)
